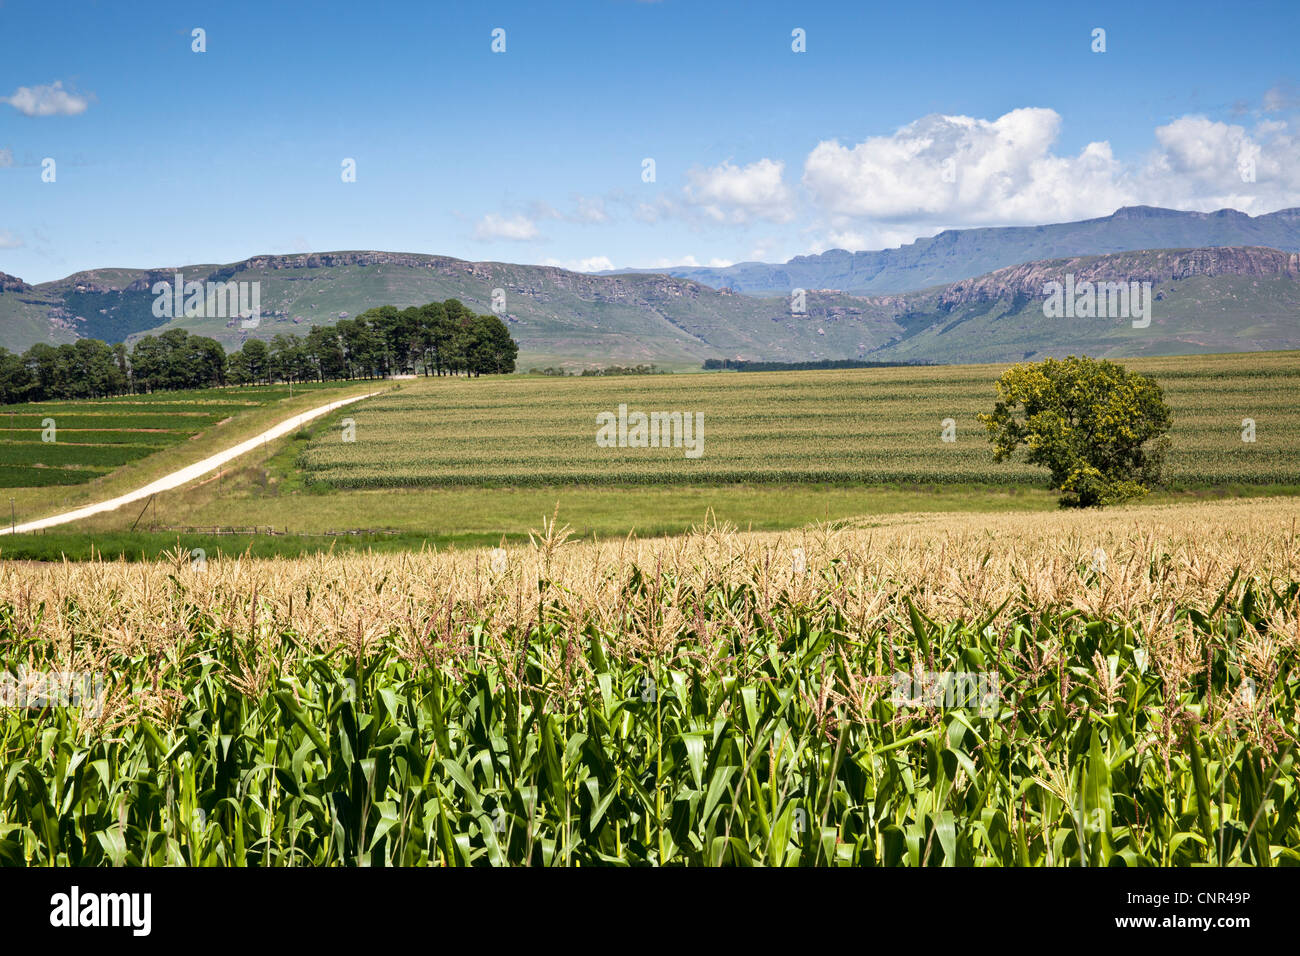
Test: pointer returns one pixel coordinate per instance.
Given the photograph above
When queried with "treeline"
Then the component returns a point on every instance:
(624, 370)
(441, 338)
(740, 365)
(608, 370)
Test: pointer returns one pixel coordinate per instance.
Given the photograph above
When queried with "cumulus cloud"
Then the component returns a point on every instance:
(662, 207)
(589, 209)
(51, 100)
(589, 264)
(1206, 164)
(960, 171)
(515, 228)
(945, 171)
(740, 194)
(874, 237)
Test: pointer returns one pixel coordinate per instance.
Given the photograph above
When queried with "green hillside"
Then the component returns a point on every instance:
(1206, 300)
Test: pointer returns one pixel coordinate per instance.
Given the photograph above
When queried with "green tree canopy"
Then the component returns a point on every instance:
(440, 338)
(1099, 428)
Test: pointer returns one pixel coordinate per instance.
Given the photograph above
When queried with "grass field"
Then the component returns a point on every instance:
(723, 698)
(855, 426)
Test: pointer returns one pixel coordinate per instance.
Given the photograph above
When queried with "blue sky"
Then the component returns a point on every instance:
(897, 121)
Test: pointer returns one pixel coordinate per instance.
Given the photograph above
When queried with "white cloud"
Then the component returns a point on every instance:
(652, 212)
(740, 194)
(589, 264)
(858, 240)
(1205, 165)
(1197, 147)
(51, 100)
(959, 170)
(9, 241)
(868, 238)
(515, 228)
(589, 209)
(6, 157)
(1284, 96)
(951, 172)
(686, 262)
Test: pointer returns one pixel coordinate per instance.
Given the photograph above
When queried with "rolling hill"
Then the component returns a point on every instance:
(1205, 300)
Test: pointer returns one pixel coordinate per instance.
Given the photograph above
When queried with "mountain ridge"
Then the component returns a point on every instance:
(955, 254)
(1225, 298)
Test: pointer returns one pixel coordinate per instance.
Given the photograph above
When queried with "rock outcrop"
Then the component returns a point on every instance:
(10, 283)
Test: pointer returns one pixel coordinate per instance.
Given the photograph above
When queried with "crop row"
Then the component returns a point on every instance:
(858, 426)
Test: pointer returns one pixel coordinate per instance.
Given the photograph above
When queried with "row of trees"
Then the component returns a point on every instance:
(441, 338)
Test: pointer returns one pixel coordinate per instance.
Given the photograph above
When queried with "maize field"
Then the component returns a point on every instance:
(719, 699)
(1235, 422)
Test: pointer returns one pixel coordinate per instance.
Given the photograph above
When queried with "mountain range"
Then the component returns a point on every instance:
(1209, 295)
(964, 253)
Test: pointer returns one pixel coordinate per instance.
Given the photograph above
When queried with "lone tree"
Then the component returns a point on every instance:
(1098, 427)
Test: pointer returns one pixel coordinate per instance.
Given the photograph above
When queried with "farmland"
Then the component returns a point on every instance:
(719, 698)
(857, 426)
(151, 435)
(469, 463)
(72, 442)
(89, 439)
